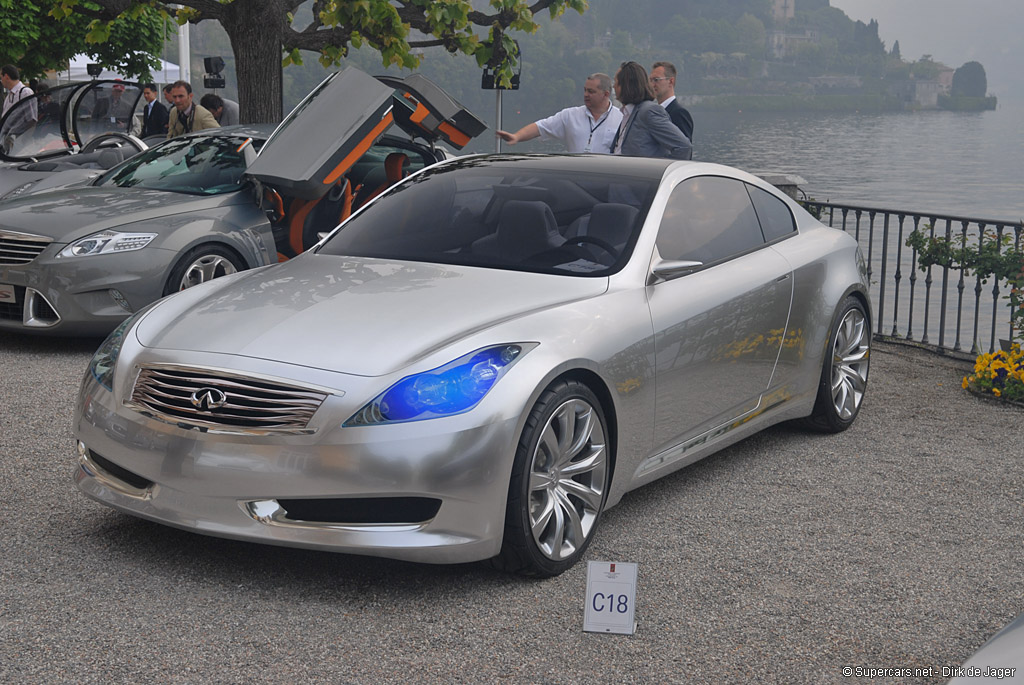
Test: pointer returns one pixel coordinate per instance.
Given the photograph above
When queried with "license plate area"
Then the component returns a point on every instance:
(11, 299)
(7, 294)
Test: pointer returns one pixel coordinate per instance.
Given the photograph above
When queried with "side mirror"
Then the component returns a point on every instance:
(667, 269)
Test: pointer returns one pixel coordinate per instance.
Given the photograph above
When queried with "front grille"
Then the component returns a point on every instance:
(207, 398)
(20, 248)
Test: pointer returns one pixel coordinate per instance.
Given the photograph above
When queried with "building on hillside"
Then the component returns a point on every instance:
(782, 45)
(946, 79)
(917, 93)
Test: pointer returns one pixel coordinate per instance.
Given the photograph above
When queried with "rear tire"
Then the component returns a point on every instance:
(844, 373)
(202, 264)
(559, 483)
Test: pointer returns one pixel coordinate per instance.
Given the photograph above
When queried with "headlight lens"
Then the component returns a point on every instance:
(451, 389)
(106, 242)
(105, 359)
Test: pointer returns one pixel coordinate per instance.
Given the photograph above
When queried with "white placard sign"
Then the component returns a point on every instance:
(611, 597)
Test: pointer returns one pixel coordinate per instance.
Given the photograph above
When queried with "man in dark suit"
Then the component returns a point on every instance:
(663, 80)
(154, 114)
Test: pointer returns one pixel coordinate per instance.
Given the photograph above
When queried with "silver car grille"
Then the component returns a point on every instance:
(212, 399)
(21, 248)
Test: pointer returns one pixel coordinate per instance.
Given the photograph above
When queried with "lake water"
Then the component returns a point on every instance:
(960, 163)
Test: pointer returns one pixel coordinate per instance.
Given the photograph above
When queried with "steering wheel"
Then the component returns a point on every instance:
(598, 242)
(113, 140)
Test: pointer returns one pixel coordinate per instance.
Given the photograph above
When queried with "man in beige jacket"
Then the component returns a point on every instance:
(187, 116)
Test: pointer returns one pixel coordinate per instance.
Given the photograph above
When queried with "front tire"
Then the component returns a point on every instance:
(202, 264)
(844, 374)
(559, 483)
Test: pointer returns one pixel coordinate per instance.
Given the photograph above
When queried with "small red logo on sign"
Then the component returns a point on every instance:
(612, 569)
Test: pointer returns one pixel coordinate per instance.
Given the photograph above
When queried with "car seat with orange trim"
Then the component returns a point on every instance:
(304, 220)
(396, 167)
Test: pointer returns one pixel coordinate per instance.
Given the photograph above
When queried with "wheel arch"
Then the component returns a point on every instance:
(596, 385)
(865, 302)
(200, 244)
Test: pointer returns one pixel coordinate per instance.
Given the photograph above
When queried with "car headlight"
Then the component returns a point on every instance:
(107, 242)
(454, 388)
(105, 359)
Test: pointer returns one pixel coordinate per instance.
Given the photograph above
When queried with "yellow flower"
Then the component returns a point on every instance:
(996, 392)
(964, 384)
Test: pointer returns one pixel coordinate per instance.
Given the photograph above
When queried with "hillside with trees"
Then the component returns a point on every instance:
(731, 54)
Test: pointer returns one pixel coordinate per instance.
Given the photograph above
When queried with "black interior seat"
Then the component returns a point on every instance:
(525, 228)
(612, 222)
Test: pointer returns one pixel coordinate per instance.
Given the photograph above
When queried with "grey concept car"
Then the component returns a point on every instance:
(78, 261)
(67, 135)
(480, 362)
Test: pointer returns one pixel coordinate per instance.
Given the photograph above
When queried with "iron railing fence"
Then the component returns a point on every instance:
(950, 304)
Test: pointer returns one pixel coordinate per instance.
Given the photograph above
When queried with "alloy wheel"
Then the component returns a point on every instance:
(850, 364)
(206, 268)
(567, 479)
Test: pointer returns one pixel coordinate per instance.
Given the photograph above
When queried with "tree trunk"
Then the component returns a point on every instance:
(254, 28)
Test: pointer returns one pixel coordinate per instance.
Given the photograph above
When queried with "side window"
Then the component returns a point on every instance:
(708, 219)
(775, 217)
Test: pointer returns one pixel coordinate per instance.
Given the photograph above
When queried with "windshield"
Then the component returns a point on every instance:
(522, 215)
(204, 165)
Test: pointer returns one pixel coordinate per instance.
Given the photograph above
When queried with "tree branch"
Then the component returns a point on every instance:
(208, 9)
(315, 40)
(316, 24)
(481, 19)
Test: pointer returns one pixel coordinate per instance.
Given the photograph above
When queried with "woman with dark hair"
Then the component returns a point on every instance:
(646, 129)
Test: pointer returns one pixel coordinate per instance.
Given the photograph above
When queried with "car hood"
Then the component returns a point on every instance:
(71, 213)
(365, 317)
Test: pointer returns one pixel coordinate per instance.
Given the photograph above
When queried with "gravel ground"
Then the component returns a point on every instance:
(782, 559)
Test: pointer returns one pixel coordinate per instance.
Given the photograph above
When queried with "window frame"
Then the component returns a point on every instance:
(735, 255)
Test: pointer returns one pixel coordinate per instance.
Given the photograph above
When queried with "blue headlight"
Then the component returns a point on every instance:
(451, 389)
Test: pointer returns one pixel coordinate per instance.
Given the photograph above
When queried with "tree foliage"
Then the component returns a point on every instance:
(36, 41)
(925, 69)
(265, 32)
(970, 81)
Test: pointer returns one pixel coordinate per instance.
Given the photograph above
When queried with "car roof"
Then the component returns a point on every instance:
(573, 163)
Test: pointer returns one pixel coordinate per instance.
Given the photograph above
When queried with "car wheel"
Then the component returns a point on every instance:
(844, 376)
(559, 483)
(202, 264)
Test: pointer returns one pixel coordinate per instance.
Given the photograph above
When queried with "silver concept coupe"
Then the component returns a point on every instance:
(480, 362)
(80, 260)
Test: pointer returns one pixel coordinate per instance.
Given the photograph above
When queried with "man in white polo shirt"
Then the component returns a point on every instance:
(590, 127)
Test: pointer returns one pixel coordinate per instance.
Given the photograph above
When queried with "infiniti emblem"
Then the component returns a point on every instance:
(208, 399)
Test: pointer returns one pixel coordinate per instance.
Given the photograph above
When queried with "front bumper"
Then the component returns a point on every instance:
(84, 296)
(242, 486)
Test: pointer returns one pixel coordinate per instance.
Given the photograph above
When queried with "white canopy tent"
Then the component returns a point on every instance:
(167, 73)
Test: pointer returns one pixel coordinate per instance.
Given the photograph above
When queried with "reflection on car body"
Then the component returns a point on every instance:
(479, 363)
